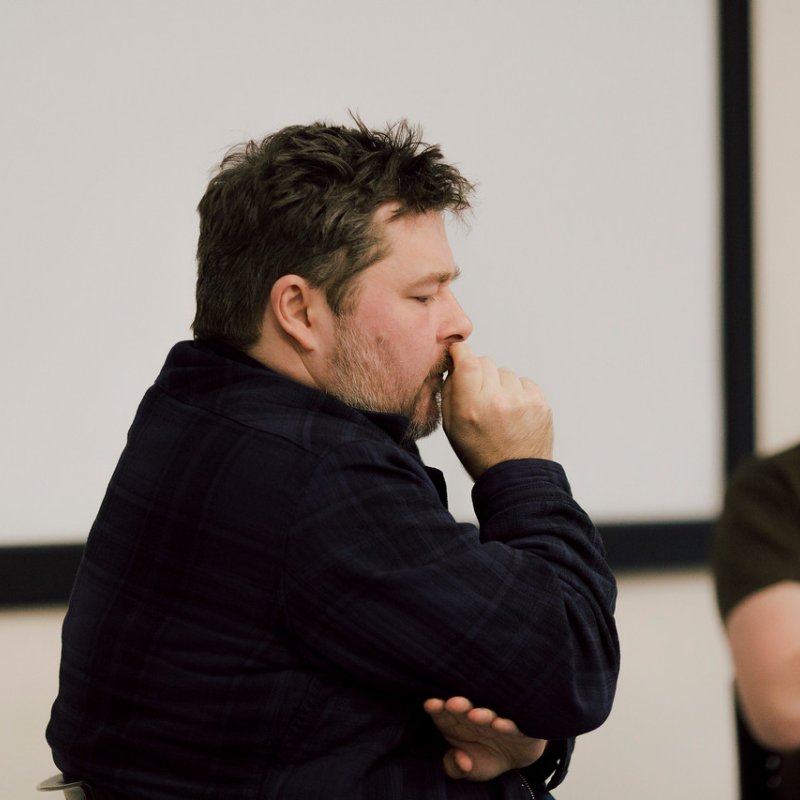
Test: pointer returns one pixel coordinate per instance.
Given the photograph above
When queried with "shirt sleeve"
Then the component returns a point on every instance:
(757, 538)
(382, 583)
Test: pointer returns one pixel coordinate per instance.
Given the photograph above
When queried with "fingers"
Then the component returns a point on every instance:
(465, 360)
(461, 352)
(477, 374)
(461, 707)
(433, 705)
(505, 726)
(512, 383)
(458, 705)
(488, 718)
(491, 415)
(466, 374)
(481, 716)
(454, 705)
(508, 379)
(457, 763)
(481, 744)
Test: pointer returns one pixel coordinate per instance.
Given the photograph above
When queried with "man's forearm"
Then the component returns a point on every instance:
(764, 635)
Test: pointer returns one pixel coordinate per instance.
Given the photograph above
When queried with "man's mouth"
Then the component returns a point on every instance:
(440, 371)
(445, 366)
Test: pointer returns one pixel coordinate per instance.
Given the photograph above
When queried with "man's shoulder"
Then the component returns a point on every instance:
(788, 461)
(778, 470)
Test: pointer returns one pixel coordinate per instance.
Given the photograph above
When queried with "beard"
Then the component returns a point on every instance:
(365, 375)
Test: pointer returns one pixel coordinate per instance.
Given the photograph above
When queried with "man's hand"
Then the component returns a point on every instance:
(490, 415)
(482, 745)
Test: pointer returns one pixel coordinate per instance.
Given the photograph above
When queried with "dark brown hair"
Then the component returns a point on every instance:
(302, 201)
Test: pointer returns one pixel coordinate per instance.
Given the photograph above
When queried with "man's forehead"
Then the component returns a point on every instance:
(413, 248)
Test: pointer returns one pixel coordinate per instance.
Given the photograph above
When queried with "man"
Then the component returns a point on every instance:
(756, 567)
(274, 601)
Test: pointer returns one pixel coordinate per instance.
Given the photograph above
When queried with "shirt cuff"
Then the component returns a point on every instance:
(550, 768)
(518, 481)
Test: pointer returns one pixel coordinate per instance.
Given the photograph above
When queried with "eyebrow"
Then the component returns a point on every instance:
(436, 277)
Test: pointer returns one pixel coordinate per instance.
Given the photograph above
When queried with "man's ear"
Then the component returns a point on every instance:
(300, 310)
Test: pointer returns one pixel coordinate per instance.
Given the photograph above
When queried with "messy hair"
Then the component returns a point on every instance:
(302, 201)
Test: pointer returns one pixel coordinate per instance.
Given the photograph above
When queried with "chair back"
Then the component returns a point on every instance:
(73, 790)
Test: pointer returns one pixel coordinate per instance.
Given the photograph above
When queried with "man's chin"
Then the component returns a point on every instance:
(419, 430)
(425, 423)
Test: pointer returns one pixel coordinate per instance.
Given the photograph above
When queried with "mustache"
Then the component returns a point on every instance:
(444, 364)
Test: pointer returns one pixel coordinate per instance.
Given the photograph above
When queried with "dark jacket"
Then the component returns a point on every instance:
(274, 585)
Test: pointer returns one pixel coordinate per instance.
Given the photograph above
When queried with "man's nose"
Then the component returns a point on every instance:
(457, 326)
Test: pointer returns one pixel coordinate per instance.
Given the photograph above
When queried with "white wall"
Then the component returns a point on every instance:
(118, 112)
(28, 685)
(671, 730)
(591, 266)
(776, 131)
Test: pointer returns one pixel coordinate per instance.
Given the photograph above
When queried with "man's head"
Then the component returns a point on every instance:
(304, 201)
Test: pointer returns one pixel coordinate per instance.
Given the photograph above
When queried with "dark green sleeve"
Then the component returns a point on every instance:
(757, 538)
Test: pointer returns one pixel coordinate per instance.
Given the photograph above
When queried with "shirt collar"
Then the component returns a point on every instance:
(393, 425)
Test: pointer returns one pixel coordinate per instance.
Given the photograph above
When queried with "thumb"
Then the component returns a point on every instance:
(457, 764)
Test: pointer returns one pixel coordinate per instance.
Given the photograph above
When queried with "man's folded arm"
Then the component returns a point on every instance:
(381, 582)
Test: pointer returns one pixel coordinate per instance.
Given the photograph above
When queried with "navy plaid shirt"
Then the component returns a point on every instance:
(273, 585)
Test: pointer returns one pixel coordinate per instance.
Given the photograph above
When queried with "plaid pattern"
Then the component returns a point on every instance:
(273, 585)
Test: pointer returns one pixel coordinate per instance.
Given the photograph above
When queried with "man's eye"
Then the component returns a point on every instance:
(424, 299)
